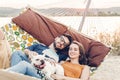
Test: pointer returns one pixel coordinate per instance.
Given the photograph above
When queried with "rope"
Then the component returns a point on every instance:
(84, 15)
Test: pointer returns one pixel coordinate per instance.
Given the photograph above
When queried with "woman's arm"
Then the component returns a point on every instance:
(85, 73)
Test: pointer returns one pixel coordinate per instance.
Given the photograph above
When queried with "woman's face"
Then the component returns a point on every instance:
(74, 51)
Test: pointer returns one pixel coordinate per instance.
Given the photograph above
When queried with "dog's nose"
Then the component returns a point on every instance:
(42, 61)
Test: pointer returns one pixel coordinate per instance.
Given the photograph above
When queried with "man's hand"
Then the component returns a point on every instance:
(29, 53)
(26, 51)
(33, 53)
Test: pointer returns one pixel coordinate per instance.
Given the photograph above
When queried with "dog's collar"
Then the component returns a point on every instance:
(41, 74)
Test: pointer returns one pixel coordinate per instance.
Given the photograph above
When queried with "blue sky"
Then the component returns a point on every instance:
(59, 3)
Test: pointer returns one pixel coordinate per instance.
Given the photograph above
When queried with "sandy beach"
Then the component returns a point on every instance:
(108, 70)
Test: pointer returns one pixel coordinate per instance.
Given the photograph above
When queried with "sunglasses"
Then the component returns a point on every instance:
(63, 41)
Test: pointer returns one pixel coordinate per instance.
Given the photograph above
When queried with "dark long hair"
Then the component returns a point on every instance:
(82, 57)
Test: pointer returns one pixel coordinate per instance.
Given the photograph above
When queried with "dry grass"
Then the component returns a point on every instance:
(110, 39)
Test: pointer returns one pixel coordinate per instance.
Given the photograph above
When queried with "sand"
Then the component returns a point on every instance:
(108, 70)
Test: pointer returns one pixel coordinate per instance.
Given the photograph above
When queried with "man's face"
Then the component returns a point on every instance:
(61, 42)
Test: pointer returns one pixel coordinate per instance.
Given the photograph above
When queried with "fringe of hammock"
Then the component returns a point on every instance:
(5, 75)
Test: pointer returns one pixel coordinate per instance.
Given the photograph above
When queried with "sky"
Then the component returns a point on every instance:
(58, 3)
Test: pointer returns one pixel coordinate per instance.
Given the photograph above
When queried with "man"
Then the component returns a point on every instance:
(60, 44)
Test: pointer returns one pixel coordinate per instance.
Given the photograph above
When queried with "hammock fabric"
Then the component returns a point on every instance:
(45, 30)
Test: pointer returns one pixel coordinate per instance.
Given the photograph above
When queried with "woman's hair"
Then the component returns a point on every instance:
(82, 57)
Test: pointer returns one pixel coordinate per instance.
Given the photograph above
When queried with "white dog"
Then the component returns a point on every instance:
(45, 67)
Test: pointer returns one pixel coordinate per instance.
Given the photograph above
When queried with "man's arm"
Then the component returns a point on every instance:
(32, 47)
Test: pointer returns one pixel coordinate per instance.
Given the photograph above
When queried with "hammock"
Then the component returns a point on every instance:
(38, 28)
(30, 27)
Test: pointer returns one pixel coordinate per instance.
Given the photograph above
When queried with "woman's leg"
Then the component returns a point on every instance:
(18, 56)
(26, 68)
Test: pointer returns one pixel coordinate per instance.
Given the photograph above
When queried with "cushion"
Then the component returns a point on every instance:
(45, 30)
(18, 38)
(40, 27)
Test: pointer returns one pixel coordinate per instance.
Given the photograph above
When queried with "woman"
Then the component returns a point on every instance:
(75, 68)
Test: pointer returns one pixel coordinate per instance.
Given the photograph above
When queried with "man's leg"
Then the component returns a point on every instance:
(26, 68)
(18, 56)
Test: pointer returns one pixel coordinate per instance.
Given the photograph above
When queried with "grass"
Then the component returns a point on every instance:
(110, 39)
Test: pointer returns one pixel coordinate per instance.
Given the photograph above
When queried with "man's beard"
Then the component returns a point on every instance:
(57, 49)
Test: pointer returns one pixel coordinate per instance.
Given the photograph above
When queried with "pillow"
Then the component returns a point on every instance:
(18, 38)
(40, 27)
(45, 30)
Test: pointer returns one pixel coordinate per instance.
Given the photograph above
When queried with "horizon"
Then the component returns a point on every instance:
(59, 3)
(55, 7)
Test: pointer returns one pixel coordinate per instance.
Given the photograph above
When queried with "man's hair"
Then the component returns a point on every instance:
(69, 38)
(66, 47)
